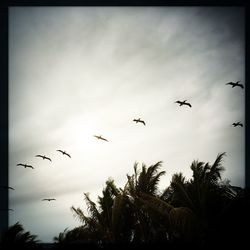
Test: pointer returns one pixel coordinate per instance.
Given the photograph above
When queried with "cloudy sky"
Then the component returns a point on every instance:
(75, 72)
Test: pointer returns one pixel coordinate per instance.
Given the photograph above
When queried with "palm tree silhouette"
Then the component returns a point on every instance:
(100, 222)
(15, 238)
(187, 212)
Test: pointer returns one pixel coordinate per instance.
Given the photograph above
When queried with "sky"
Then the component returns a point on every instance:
(75, 72)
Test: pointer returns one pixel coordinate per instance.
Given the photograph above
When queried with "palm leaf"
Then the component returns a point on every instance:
(217, 168)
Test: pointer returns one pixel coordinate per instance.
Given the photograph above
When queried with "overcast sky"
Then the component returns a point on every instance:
(75, 72)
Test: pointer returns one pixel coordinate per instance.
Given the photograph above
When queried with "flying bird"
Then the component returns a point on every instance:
(139, 120)
(64, 153)
(100, 137)
(25, 165)
(44, 157)
(48, 199)
(184, 103)
(235, 124)
(6, 187)
(234, 84)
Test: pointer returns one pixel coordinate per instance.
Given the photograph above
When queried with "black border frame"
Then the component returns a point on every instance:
(4, 99)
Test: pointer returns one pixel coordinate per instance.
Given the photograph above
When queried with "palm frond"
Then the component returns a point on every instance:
(91, 207)
(156, 204)
(78, 213)
(179, 190)
(217, 168)
(118, 212)
(183, 221)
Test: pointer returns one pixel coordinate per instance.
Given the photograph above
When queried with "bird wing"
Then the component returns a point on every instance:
(48, 159)
(241, 85)
(11, 188)
(68, 155)
(189, 105)
(229, 83)
(179, 102)
(29, 166)
(143, 123)
(59, 150)
(44, 199)
(39, 156)
(103, 139)
(20, 164)
(96, 136)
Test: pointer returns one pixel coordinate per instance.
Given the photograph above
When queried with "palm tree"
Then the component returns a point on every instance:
(144, 182)
(157, 218)
(76, 235)
(188, 211)
(180, 223)
(118, 216)
(15, 237)
(106, 223)
(205, 194)
(91, 223)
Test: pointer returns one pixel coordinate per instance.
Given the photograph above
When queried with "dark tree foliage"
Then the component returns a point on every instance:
(16, 238)
(202, 212)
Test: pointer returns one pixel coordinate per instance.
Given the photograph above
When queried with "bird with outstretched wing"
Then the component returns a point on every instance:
(236, 124)
(184, 103)
(25, 165)
(139, 120)
(44, 157)
(235, 84)
(99, 137)
(63, 152)
(49, 199)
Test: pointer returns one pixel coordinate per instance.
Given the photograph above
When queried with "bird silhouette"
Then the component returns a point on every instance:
(184, 103)
(25, 165)
(139, 120)
(44, 157)
(63, 152)
(235, 124)
(6, 187)
(235, 84)
(100, 137)
(48, 199)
